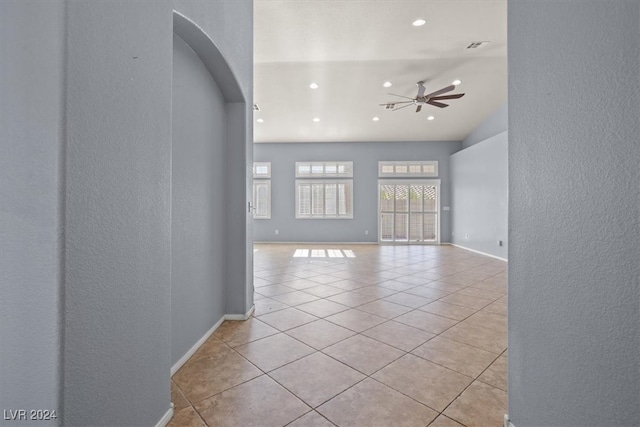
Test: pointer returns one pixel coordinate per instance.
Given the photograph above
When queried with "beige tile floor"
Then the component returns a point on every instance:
(397, 336)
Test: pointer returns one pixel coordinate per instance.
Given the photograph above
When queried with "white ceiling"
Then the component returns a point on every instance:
(351, 47)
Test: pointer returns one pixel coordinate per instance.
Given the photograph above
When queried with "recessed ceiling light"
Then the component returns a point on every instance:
(456, 82)
(430, 118)
(315, 119)
(375, 119)
(260, 120)
(313, 85)
(419, 22)
(386, 84)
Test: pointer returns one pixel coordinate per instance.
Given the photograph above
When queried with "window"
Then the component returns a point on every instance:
(324, 169)
(408, 169)
(262, 199)
(261, 190)
(262, 170)
(324, 199)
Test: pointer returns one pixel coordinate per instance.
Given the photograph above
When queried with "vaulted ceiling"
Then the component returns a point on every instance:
(349, 48)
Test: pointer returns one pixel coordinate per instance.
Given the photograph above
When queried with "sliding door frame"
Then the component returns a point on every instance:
(414, 181)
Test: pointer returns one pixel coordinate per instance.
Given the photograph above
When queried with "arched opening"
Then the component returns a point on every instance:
(211, 256)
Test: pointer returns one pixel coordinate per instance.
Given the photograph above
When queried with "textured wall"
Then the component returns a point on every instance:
(198, 208)
(574, 213)
(229, 24)
(479, 196)
(117, 308)
(365, 157)
(239, 225)
(31, 149)
(86, 201)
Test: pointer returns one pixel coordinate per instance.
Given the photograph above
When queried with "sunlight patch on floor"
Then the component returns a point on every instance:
(322, 253)
(301, 253)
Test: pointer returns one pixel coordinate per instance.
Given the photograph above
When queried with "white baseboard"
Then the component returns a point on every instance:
(206, 336)
(478, 252)
(196, 346)
(507, 421)
(166, 417)
(240, 316)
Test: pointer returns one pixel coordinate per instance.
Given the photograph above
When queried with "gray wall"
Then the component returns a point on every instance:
(365, 157)
(574, 211)
(31, 159)
(239, 222)
(479, 196)
(496, 123)
(117, 287)
(197, 192)
(86, 201)
(229, 25)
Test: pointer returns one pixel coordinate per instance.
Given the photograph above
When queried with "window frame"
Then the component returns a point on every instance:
(437, 183)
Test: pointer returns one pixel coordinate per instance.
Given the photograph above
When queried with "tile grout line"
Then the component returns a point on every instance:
(474, 380)
(362, 332)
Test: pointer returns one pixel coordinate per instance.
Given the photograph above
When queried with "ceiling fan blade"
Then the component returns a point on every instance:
(437, 104)
(443, 90)
(404, 106)
(418, 108)
(401, 96)
(454, 96)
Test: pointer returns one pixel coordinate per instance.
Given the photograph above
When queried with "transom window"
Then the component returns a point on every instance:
(262, 170)
(324, 169)
(411, 169)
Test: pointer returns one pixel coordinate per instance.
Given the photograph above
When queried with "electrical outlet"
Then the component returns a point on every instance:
(277, 231)
(366, 231)
(466, 236)
(499, 242)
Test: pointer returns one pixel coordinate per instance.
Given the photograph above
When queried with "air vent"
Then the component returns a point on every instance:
(255, 107)
(477, 45)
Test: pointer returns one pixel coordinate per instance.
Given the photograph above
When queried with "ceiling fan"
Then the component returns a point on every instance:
(432, 99)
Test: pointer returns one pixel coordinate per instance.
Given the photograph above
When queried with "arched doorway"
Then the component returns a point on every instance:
(211, 255)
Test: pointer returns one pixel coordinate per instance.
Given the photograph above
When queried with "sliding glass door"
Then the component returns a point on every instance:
(409, 211)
